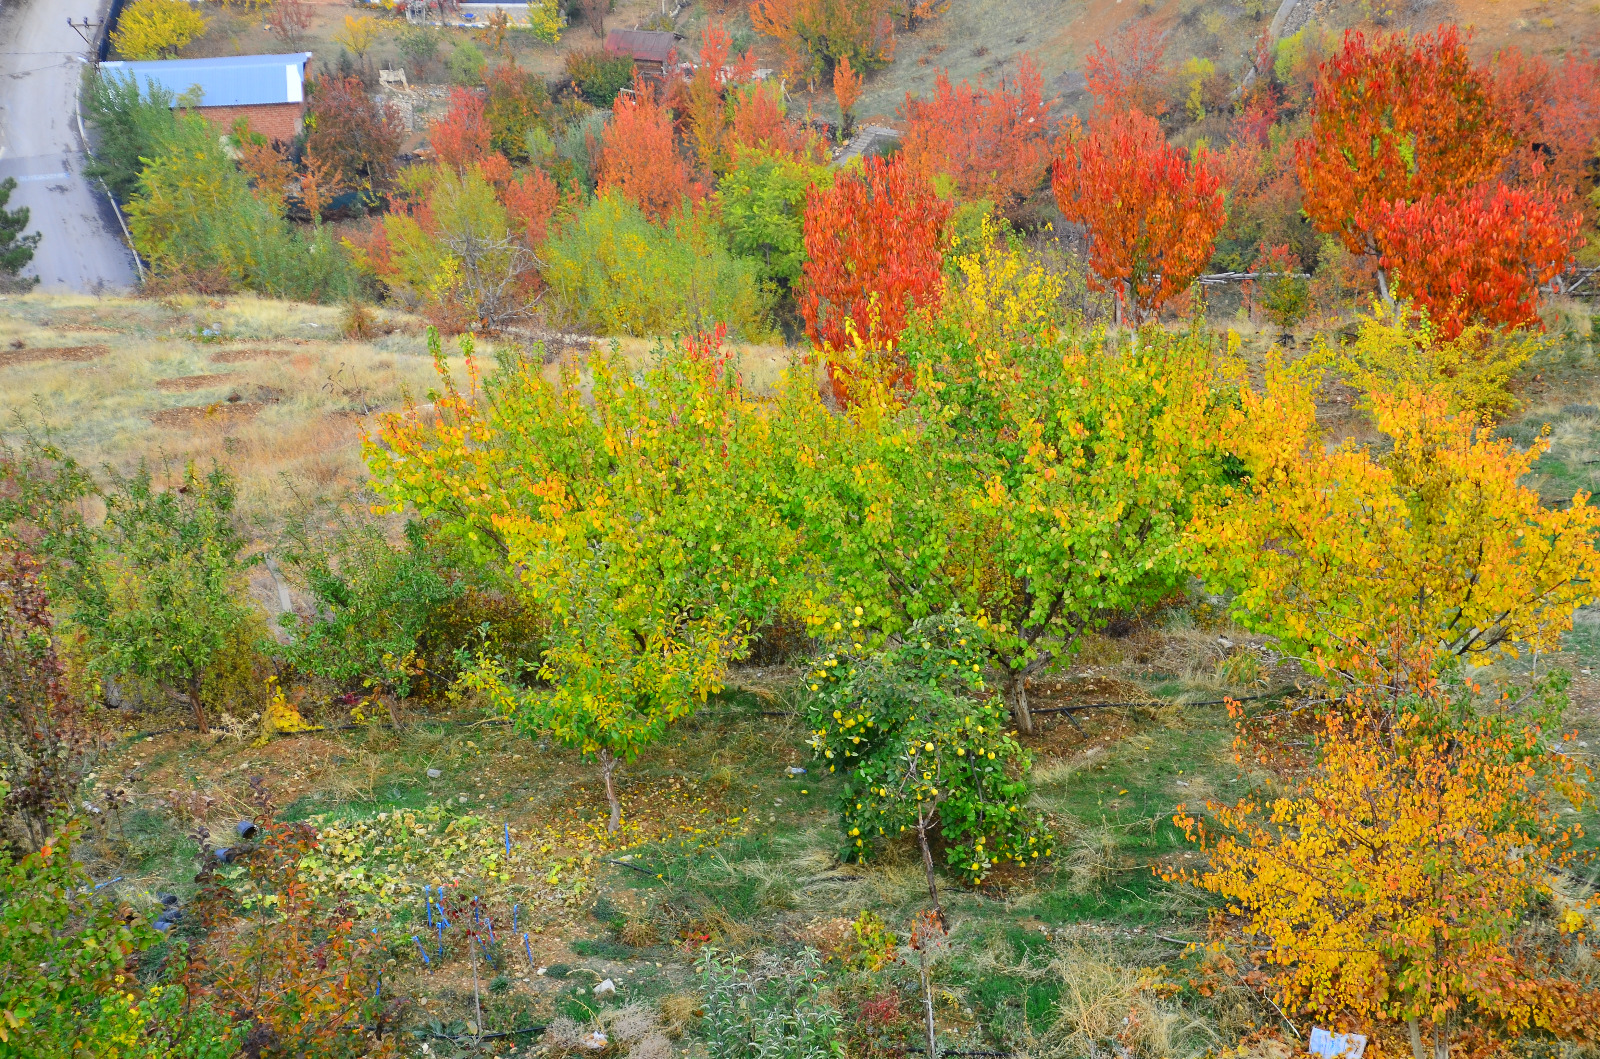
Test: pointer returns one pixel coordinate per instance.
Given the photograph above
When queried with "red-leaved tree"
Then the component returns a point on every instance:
(1479, 258)
(994, 141)
(874, 251)
(461, 138)
(638, 158)
(756, 122)
(530, 202)
(1151, 213)
(354, 138)
(1396, 119)
(1131, 74)
(846, 91)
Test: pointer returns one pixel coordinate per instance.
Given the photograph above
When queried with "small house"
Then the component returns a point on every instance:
(650, 50)
(269, 90)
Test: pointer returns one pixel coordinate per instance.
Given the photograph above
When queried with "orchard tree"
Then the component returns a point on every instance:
(352, 137)
(1478, 258)
(757, 123)
(1390, 885)
(846, 91)
(815, 35)
(874, 251)
(515, 104)
(1361, 562)
(1396, 120)
(922, 748)
(634, 511)
(762, 200)
(993, 142)
(640, 161)
(1151, 212)
(1131, 74)
(462, 137)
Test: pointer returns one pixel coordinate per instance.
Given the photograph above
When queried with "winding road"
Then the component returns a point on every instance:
(41, 63)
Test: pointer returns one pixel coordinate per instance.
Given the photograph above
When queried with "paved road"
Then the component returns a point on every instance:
(41, 61)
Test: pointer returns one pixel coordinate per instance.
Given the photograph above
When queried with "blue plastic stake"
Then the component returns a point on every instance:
(490, 924)
(427, 902)
(528, 949)
(514, 918)
(425, 961)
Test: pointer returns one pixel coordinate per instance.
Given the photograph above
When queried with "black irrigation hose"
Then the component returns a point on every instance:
(500, 1035)
(636, 867)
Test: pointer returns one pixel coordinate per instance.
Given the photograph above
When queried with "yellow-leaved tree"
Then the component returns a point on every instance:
(156, 29)
(633, 509)
(1359, 560)
(1388, 888)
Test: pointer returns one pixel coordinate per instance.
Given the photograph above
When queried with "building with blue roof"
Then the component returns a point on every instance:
(267, 90)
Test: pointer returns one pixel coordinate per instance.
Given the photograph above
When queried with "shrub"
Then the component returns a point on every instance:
(165, 593)
(616, 273)
(768, 1007)
(155, 29)
(46, 746)
(372, 601)
(466, 64)
(515, 104)
(16, 249)
(599, 75)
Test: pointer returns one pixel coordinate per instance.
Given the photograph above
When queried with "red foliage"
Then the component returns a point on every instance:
(874, 251)
(815, 34)
(1396, 119)
(1152, 215)
(1478, 258)
(639, 160)
(993, 141)
(531, 202)
(1131, 74)
(846, 90)
(353, 137)
(1554, 115)
(461, 137)
(758, 124)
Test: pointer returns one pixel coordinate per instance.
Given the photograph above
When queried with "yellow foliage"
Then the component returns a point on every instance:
(1472, 371)
(281, 716)
(153, 29)
(359, 34)
(1361, 562)
(1000, 294)
(1389, 886)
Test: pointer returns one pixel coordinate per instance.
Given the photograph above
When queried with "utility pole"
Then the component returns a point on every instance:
(89, 31)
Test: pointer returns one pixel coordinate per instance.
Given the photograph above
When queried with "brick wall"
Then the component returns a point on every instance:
(275, 121)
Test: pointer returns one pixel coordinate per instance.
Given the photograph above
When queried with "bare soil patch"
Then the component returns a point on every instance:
(239, 356)
(182, 383)
(191, 416)
(9, 357)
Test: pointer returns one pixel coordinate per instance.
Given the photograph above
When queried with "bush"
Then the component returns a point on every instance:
(616, 273)
(771, 1007)
(763, 205)
(193, 217)
(515, 105)
(373, 601)
(466, 64)
(598, 75)
(352, 136)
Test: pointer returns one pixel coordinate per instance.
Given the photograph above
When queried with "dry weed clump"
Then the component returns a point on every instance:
(1102, 1005)
(631, 1032)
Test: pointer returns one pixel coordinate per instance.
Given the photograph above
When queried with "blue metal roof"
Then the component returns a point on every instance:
(230, 81)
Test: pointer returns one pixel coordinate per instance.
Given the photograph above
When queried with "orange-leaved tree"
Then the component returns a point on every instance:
(1359, 562)
(816, 34)
(1396, 119)
(757, 125)
(640, 161)
(846, 91)
(461, 138)
(1481, 257)
(1151, 212)
(1131, 74)
(1389, 886)
(707, 116)
(874, 251)
(993, 141)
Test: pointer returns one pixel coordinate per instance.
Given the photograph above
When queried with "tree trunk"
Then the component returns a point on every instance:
(393, 703)
(927, 866)
(1383, 289)
(608, 766)
(199, 707)
(927, 1006)
(1017, 693)
(1417, 1050)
